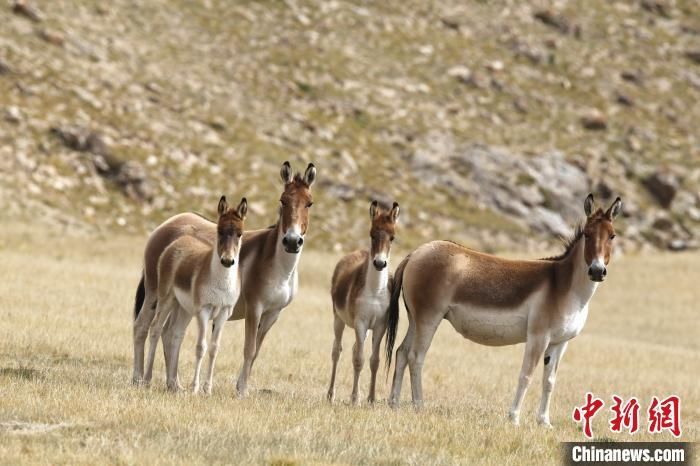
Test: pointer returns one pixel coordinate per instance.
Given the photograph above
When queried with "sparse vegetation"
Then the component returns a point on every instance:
(390, 100)
(358, 88)
(65, 370)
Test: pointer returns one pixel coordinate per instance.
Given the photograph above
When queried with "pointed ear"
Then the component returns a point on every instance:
(286, 173)
(242, 208)
(589, 205)
(373, 209)
(310, 175)
(614, 209)
(223, 206)
(394, 213)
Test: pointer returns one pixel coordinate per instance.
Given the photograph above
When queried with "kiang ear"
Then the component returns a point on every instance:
(242, 208)
(394, 213)
(589, 205)
(614, 209)
(286, 173)
(310, 175)
(223, 206)
(373, 209)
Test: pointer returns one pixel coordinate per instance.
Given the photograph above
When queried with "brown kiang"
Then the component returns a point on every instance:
(268, 265)
(202, 280)
(496, 301)
(360, 290)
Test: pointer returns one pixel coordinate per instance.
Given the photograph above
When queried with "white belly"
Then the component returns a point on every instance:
(493, 327)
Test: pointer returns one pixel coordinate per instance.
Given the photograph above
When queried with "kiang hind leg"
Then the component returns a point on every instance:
(425, 330)
(163, 309)
(401, 360)
(338, 329)
(141, 325)
(181, 319)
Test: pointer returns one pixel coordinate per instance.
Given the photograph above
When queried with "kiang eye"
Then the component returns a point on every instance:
(283, 202)
(309, 204)
(612, 237)
(391, 239)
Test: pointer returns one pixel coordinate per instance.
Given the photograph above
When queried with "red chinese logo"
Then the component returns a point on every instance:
(662, 414)
(586, 412)
(626, 417)
(665, 415)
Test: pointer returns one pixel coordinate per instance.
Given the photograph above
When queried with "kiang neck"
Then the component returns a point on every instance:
(376, 280)
(285, 263)
(582, 287)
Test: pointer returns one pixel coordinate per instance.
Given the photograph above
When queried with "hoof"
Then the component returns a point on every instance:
(514, 418)
(330, 396)
(174, 387)
(195, 389)
(370, 400)
(544, 422)
(206, 388)
(393, 403)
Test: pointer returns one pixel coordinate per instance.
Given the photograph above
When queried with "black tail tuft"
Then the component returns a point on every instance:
(140, 296)
(393, 320)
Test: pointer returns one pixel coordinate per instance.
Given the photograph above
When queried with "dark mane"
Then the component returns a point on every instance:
(568, 244)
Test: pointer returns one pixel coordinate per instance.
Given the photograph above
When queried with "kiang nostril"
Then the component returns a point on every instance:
(605, 272)
(284, 240)
(300, 242)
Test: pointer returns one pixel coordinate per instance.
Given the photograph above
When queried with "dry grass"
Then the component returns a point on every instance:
(65, 369)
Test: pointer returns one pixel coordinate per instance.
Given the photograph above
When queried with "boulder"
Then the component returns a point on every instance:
(130, 176)
(594, 119)
(544, 192)
(663, 186)
(555, 20)
(26, 9)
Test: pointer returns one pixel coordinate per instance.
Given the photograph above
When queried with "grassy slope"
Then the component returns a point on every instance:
(303, 81)
(65, 357)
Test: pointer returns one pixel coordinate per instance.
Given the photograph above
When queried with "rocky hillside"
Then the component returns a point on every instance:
(487, 121)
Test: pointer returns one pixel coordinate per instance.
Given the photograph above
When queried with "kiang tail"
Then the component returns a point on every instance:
(393, 319)
(140, 296)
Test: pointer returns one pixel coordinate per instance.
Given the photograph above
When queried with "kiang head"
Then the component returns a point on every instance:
(381, 233)
(598, 235)
(295, 205)
(229, 230)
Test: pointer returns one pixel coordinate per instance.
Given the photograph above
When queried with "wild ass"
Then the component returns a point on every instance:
(268, 267)
(203, 280)
(495, 301)
(360, 290)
